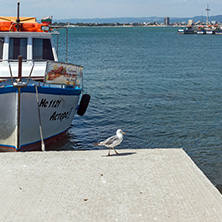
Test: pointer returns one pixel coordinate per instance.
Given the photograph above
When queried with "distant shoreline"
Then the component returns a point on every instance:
(126, 26)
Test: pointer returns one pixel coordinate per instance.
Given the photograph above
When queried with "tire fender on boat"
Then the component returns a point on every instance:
(83, 104)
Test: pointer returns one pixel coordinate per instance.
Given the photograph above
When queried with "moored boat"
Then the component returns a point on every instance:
(187, 30)
(180, 31)
(210, 32)
(218, 31)
(39, 96)
(201, 31)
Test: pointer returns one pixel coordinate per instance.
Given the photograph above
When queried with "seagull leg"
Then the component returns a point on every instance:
(115, 151)
(109, 152)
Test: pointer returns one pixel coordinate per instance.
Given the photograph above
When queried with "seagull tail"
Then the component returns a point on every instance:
(96, 144)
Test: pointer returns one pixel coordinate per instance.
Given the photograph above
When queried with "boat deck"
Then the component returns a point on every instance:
(137, 185)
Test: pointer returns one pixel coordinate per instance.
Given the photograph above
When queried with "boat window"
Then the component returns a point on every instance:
(1, 47)
(42, 49)
(17, 46)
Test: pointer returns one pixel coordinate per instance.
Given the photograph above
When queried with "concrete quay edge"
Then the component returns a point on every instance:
(137, 185)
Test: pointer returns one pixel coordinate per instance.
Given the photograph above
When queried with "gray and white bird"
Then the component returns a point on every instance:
(112, 141)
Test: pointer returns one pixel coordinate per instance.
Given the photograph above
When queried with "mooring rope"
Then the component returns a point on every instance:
(40, 124)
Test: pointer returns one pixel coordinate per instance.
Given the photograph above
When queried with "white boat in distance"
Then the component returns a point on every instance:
(38, 95)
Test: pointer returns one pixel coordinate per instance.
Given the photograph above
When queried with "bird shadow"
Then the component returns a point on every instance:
(120, 154)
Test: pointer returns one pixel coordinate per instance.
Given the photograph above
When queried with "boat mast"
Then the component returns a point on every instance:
(18, 20)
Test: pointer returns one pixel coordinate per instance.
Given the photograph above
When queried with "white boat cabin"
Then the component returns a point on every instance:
(35, 47)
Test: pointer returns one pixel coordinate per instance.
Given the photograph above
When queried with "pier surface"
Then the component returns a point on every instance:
(137, 185)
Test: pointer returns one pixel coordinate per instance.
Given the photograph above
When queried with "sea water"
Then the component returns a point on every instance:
(163, 89)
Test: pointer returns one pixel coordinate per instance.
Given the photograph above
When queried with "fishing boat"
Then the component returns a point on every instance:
(201, 30)
(187, 30)
(180, 31)
(210, 31)
(218, 31)
(39, 96)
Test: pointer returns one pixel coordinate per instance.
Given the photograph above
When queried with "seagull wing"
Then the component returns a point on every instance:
(111, 141)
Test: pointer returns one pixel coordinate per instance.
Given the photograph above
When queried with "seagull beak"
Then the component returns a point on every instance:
(124, 133)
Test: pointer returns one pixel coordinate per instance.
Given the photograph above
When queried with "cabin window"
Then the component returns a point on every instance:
(42, 49)
(1, 47)
(17, 46)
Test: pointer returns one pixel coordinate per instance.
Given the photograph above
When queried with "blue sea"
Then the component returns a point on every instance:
(163, 89)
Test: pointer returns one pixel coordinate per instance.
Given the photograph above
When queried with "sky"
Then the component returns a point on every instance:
(65, 9)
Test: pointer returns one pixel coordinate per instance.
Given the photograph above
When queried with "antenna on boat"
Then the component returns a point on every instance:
(18, 20)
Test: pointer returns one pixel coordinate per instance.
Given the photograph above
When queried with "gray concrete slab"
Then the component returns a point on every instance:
(137, 185)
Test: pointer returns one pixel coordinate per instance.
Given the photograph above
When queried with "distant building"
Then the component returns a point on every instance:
(166, 21)
(190, 22)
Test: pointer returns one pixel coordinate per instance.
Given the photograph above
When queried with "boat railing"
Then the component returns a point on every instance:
(18, 82)
(56, 27)
(56, 73)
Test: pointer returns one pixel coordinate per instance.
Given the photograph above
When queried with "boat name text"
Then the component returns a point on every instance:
(54, 103)
(60, 116)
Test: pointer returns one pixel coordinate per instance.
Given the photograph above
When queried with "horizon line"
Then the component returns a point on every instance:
(139, 17)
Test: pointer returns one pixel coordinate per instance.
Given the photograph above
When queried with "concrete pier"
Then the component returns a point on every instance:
(137, 185)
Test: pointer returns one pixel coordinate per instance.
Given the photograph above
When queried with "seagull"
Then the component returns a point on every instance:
(112, 141)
